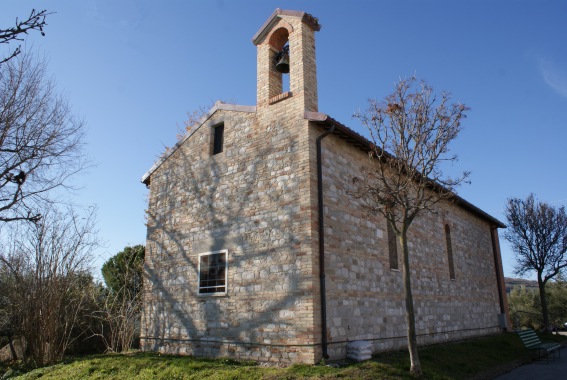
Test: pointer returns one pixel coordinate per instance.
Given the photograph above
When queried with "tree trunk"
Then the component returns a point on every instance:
(415, 368)
(543, 300)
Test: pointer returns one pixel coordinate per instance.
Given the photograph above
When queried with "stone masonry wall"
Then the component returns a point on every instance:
(253, 200)
(258, 200)
(365, 298)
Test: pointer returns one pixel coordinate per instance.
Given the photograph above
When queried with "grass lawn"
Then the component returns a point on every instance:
(461, 360)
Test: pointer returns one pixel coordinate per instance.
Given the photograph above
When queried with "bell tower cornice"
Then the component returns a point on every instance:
(313, 22)
(291, 35)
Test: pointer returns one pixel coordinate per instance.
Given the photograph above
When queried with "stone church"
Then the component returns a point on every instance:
(255, 250)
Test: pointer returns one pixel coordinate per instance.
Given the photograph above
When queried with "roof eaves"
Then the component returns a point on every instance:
(218, 106)
(341, 130)
(472, 208)
(364, 144)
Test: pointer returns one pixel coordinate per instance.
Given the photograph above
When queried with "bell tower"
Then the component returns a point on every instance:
(293, 30)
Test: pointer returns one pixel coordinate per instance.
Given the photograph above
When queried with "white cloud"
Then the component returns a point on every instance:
(554, 76)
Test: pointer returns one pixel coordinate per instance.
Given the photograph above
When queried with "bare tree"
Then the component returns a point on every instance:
(194, 117)
(8, 323)
(40, 140)
(538, 234)
(119, 313)
(411, 130)
(48, 265)
(35, 21)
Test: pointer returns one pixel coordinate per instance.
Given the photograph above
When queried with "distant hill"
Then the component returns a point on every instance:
(511, 282)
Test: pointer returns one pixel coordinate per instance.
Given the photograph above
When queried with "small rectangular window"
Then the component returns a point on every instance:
(218, 138)
(449, 252)
(392, 247)
(213, 272)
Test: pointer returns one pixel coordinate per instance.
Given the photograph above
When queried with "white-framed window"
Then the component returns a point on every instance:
(213, 272)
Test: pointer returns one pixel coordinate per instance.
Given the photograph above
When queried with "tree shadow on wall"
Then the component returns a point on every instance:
(245, 200)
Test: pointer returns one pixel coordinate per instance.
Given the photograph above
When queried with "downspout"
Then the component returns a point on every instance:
(322, 244)
(497, 268)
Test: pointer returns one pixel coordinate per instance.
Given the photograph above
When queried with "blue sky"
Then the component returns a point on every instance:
(133, 69)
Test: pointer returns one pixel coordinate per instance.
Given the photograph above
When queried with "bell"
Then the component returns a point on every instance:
(283, 65)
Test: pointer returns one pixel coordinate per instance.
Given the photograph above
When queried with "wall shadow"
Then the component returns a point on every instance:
(247, 200)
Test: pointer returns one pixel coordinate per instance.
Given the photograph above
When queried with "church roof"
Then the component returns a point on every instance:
(363, 143)
(321, 119)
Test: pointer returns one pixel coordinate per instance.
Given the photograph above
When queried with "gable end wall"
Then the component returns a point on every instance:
(253, 200)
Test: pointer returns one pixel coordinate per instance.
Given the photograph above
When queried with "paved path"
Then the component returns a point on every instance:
(540, 370)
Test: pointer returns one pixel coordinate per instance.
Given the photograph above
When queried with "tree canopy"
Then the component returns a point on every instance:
(125, 269)
(411, 130)
(40, 140)
(35, 21)
(538, 234)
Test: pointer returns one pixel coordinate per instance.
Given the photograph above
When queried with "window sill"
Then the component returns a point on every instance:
(280, 97)
(212, 295)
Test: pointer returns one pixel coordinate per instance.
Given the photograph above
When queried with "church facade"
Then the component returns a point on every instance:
(244, 260)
